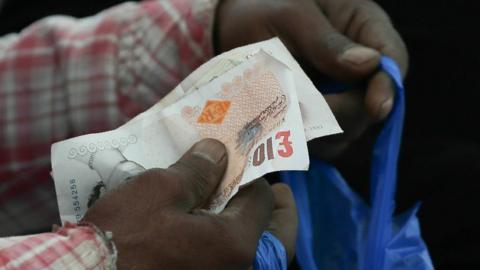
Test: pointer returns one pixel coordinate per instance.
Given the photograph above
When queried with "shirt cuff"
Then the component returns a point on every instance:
(96, 248)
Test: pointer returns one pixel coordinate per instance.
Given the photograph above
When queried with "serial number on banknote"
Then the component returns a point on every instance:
(75, 199)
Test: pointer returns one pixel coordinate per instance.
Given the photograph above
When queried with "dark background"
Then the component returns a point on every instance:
(440, 161)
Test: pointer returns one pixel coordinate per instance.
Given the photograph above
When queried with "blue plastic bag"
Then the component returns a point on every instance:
(338, 230)
(271, 254)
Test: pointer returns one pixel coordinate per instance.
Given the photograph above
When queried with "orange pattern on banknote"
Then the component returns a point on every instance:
(214, 112)
(257, 105)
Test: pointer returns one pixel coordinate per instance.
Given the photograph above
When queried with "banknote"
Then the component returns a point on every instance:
(252, 107)
(318, 120)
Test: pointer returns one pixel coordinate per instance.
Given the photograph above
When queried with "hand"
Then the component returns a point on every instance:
(339, 39)
(284, 222)
(157, 220)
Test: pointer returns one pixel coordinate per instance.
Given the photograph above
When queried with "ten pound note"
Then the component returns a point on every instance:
(251, 106)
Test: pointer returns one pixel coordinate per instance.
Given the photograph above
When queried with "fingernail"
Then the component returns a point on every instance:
(211, 150)
(359, 55)
(385, 108)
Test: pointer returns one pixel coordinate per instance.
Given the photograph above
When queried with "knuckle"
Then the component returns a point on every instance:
(369, 12)
(192, 178)
(161, 180)
(153, 173)
(282, 10)
(336, 42)
(151, 176)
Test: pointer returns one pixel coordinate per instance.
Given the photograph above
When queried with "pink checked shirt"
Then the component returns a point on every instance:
(64, 77)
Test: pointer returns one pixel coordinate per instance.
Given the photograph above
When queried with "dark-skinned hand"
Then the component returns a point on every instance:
(157, 221)
(340, 40)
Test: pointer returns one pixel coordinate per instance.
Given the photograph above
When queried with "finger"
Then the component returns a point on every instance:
(349, 110)
(315, 41)
(284, 223)
(233, 233)
(380, 96)
(198, 173)
(249, 213)
(376, 30)
(366, 23)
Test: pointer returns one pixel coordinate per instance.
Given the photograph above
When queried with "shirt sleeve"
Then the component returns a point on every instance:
(63, 77)
(70, 247)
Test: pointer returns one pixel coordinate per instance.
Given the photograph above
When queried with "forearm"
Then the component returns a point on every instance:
(63, 77)
(62, 71)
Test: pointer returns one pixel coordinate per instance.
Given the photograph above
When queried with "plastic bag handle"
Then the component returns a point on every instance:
(271, 254)
(382, 183)
(383, 179)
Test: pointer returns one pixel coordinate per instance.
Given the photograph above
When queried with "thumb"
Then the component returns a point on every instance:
(316, 42)
(198, 172)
